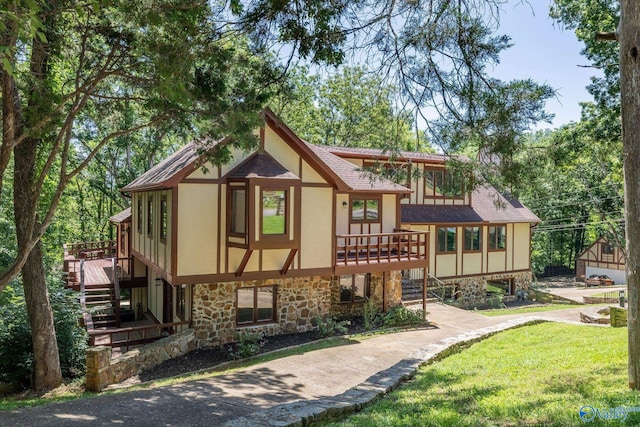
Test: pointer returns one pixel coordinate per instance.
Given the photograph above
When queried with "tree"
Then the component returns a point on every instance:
(70, 72)
(73, 72)
(626, 18)
(351, 108)
(630, 105)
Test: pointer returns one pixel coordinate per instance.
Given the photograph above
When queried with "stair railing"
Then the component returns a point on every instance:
(115, 279)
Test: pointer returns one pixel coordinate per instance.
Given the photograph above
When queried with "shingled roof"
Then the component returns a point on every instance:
(261, 165)
(164, 172)
(378, 154)
(123, 216)
(354, 178)
(487, 206)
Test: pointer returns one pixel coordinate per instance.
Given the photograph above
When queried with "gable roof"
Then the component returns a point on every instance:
(165, 173)
(261, 165)
(488, 206)
(343, 174)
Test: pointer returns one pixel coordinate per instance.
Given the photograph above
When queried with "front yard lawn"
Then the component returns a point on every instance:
(535, 308)
(536, 375)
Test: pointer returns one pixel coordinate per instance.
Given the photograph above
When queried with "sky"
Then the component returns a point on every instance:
(547, 54)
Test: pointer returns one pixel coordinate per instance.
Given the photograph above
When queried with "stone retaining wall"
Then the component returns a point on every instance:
(103, 371)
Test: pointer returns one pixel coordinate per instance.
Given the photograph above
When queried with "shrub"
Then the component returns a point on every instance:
(402, 316)
(247, 344)
(371, 316)
(331, 327)
(16, 354)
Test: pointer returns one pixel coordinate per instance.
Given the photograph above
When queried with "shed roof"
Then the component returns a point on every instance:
(487, 206)
(123, 216)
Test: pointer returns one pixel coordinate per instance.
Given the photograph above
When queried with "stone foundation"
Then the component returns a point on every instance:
(103, 371)
(299, 301)
(393, 294)
(473, 290)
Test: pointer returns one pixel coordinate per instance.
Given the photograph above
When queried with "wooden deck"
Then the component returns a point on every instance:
(98, 272)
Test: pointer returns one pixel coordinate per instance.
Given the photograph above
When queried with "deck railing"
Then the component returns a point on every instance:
(90, 250)
(135, 335)
(401, 245)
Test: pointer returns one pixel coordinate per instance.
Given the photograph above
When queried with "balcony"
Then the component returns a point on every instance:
(400, 250)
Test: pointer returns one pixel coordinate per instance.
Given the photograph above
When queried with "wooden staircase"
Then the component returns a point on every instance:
(99, 303)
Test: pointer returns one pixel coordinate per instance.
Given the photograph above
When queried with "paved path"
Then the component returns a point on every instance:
(576, 294)
(311, 376)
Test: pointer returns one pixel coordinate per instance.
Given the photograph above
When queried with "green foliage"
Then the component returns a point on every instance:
(331, 326)
(352, 108)
(536, 375)
(16, 356)
(247, 344)
(402, 316)
(371, 315)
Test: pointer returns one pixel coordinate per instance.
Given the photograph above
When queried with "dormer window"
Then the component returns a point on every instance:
(262, 197)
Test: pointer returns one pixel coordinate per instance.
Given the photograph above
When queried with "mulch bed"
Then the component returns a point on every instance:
(207, 358)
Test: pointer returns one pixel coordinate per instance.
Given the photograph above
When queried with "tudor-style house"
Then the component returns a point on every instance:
(602, 257)
(476, 238)
(293, 232)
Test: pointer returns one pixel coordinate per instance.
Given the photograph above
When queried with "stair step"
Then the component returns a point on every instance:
(101, 302)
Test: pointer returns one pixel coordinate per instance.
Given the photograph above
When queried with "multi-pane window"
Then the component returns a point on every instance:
(238, 211)
(497, 237)
(367, 210)
(256, 304)
(446, 239)
(442, 183)
(274, 212)
(472, 239)
(354, 287)
(607, 249)
(150, 217)
(163, 218)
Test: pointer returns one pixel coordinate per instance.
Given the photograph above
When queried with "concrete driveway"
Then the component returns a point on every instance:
(576, 293)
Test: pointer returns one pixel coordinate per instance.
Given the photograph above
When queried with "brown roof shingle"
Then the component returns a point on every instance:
(261, 165)
(484, 209)
(120, 217)
(355, 179)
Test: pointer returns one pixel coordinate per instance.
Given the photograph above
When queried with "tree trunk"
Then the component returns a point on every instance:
(47, 373)
(629, 36)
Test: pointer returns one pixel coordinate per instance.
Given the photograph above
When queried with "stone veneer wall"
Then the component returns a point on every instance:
(393, 294)
(103, 371)
(473, 290)
(299, 302)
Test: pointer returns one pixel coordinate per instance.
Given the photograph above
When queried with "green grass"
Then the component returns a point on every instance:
(274, 224)
(535, 376)
(523, 310)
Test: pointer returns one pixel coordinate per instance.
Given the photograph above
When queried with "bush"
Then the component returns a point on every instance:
(16, 354)
(371, 316)
(247, 344)
(402, 316)
(331, 327)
